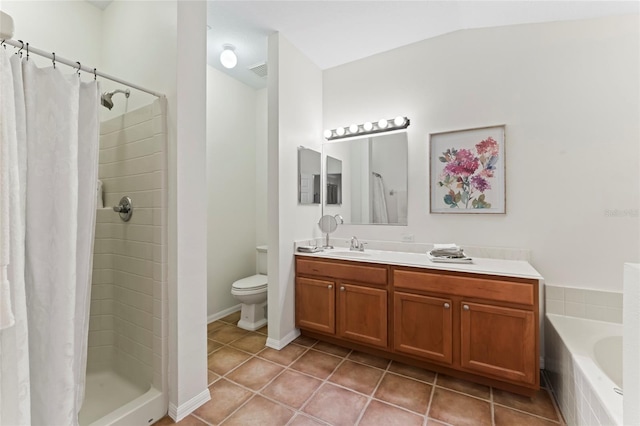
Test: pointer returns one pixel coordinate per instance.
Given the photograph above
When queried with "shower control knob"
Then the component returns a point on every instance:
(125, 208)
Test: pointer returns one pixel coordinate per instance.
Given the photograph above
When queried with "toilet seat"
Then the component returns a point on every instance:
(250, 284)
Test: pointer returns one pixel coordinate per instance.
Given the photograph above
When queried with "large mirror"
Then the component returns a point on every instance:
(373, 179)
(309, 166)
(333, 181)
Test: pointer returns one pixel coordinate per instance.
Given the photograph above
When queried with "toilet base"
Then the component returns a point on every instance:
(252, 317)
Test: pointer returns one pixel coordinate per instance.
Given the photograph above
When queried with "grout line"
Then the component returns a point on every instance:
(492, 406)
(433, 391)
(528, 413)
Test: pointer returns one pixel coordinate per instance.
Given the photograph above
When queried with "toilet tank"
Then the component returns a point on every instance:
(261, 259)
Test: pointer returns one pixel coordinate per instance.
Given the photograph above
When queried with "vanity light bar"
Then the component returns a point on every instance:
(367, 128)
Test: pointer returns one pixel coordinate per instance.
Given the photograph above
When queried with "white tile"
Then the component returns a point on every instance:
(555, 307)
(575, 295)
(594, 312)
(574, 309)
(554, 292)
(604, 298)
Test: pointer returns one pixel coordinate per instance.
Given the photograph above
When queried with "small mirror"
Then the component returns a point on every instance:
(309, 164)
(373, 179)
(334, 181)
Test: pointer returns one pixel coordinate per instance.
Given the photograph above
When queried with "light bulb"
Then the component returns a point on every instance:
(399, 121)
(353, 129)
(327, 134)
(383, 124)
(228, 57)
(340, 131)
(367, 126)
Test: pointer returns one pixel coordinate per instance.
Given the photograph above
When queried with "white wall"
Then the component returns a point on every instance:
(261, 167)
(568, 93)
(295, 118)
(71, 29)
(231, 186)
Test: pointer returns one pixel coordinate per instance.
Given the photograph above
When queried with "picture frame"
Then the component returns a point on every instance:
(467, 171)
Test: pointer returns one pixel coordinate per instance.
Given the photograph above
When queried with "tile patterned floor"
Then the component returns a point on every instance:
(316, 383)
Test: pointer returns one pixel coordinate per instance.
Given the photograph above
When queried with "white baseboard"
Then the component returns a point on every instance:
(179, 413)
(224, 313)
(279, 344)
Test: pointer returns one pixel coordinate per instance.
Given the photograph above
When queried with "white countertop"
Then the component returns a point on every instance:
(501, 267)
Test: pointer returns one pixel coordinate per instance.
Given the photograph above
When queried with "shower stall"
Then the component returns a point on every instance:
(126, 360)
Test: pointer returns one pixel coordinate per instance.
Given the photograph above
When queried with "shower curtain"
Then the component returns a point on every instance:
(49, 133)
(378, 202)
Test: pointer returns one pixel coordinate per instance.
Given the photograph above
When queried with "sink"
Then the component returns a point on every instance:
(349, 254)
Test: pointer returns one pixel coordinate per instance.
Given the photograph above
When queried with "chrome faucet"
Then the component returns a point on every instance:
(356, 245)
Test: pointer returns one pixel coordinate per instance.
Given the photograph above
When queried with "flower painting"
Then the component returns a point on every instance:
(467, 171)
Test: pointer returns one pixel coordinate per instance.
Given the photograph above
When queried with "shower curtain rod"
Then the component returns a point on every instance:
(77, 65)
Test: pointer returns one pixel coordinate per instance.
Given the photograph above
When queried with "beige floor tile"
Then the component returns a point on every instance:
(464, 386)
(413, 372)
(506, 417)
(213, 326)
(305, 341)
(358, 377)
(284, 356)
(336, 406)
(187, 421)
(211, 377)
(317, 364)
(252, 342)
(331, 349)
(407, 393)
(457, 409)
(260, 411)
(363, 358)
(540, 405)
(291, 388)
(302, 420)
(264, 330)
(226, 397)
(231, 318)
(381, 414)
(212, 345)
(227, 334)
(255, 373)
(226, 359)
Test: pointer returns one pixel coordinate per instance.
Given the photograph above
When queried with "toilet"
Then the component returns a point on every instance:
(252, 293)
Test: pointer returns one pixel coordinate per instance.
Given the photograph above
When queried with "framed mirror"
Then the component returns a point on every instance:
(373, 179)
(309, 176)
(333, 194)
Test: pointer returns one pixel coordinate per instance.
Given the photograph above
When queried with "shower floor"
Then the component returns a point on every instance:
(106, 391)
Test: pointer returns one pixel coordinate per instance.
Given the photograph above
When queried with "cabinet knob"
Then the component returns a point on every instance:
(329, 286)
(341, 288)
(446, 306)
(465, 307)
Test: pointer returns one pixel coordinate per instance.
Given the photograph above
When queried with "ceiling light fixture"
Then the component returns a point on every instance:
(367, 128)
(228, 57)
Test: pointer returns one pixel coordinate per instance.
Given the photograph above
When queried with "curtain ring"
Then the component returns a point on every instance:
(54, 60)
(79, 66)
(27, 51)
(95, 77)
(22, 47)
(4, 44)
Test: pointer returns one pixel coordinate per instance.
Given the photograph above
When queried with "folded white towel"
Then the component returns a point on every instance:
(450, 246)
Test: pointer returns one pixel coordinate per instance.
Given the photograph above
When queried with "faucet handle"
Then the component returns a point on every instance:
(355, 244)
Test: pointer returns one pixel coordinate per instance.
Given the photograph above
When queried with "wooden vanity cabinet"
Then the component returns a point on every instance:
(478, 327)
(423, 326)
(345, 300)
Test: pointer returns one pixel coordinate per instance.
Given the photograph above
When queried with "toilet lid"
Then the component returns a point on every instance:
(254, 282)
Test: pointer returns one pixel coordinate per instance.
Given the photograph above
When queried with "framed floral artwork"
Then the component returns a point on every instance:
(468, 171)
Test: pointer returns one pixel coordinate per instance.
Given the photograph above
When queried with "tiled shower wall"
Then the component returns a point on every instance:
(128, 299)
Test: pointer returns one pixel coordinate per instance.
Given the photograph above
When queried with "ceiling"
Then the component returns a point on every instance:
(331, 33)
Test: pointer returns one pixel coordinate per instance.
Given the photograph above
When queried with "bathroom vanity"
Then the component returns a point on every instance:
(477, 321)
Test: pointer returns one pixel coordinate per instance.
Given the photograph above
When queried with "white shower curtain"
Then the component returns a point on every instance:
(52, 182)
(378, 202)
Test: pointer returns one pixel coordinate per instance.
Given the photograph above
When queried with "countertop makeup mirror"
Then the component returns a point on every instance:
(309, 166)
(373, 179)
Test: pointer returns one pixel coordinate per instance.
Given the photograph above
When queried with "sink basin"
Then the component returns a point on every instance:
(349, 254)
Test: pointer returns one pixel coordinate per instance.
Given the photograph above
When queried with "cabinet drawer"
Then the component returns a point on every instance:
(482, 288)
(342, 271)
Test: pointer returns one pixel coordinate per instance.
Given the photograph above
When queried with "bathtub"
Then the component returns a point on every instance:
(583, 363)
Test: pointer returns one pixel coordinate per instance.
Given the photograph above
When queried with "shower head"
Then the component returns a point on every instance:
(106, 97)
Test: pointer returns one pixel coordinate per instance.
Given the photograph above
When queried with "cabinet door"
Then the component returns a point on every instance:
(362, 314)
(315, 305)
(499, 341)
(422, 326)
